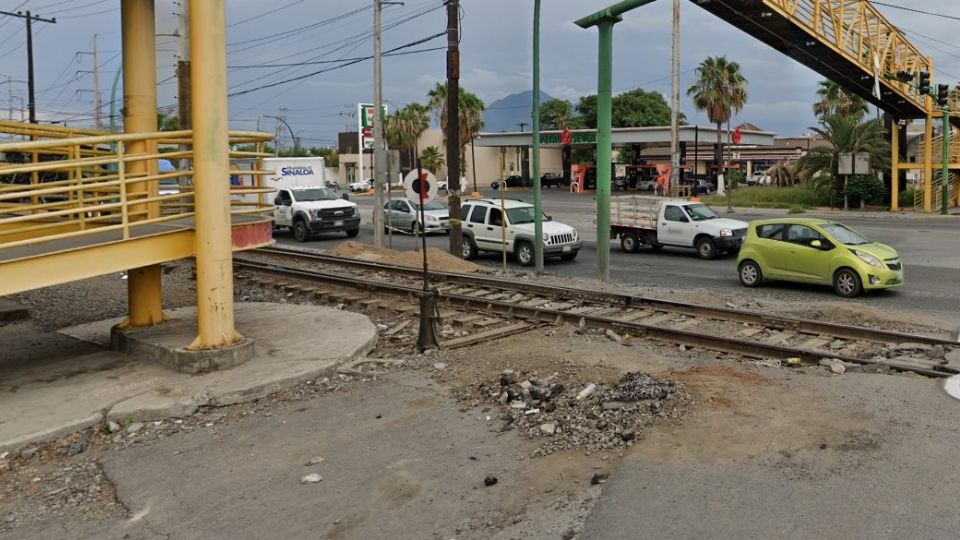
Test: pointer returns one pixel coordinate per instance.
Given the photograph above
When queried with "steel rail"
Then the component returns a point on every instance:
(543, 315)
(779, 322)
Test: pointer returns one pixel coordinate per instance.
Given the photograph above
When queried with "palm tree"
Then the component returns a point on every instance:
(720, 90)
(405, 127)
(832, 99)
(470, 120)
(432, 159)
(845, 135)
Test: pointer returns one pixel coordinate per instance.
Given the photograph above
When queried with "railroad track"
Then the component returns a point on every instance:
(751, 334)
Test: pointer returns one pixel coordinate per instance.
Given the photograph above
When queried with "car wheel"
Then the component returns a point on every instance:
(494, 185)
(352, 233)
(706, 247)
(847, 283)
(750, 274)
(468, 249)
(525, 253)
(629, 242)
(301, 233)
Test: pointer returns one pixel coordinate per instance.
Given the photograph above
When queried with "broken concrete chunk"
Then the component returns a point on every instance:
(313, 478)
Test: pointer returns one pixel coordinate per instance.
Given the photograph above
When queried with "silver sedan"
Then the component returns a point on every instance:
(404, 215)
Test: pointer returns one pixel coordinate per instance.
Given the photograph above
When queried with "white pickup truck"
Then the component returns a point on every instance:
(308, 210)
(644, 223)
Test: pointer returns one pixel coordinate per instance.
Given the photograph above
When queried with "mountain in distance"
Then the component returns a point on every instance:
(506, 114)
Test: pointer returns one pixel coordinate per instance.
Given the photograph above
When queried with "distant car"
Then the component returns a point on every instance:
(758, 179)
(699, 187)
(647, 184)
(404, 214)
(553, 180)
(817, 251)
(361, 185)
(510, 181)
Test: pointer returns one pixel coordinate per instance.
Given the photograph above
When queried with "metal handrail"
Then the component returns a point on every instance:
(91, 188)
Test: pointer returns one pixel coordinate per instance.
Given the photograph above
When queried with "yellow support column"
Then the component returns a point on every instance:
(140, 116)
(211, 162)
(894, 165)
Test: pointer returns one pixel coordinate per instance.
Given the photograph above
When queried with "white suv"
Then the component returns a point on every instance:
(483, 226)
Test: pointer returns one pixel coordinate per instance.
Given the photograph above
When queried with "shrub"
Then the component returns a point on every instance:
(796, 209)
(803, 195)
(863, 189)
(907, 197)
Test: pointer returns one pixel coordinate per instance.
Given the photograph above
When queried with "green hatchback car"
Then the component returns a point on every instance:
(817, 251)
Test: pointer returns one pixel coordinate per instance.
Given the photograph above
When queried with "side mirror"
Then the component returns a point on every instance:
(816, 244)
(277, 202)
(345, 196)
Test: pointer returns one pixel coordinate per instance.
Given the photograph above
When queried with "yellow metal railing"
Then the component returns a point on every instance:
(63, 185)
(936, 192)
(860, 33)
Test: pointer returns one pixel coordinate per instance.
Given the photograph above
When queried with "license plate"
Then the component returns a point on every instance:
(338, 223)
(566, 249)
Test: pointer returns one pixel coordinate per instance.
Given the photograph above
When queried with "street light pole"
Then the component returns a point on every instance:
(537, 202)
(604, 21)
(378, 154)
(675, 103)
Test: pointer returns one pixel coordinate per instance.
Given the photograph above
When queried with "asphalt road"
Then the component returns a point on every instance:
(932, 265)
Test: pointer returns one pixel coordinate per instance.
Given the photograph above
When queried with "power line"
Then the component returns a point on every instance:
(265, 13)
(914, 10)
(349, 63)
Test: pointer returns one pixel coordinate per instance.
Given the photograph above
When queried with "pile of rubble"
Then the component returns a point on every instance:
(593, 416)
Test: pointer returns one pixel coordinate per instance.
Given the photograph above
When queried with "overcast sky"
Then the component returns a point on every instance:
(496, 56)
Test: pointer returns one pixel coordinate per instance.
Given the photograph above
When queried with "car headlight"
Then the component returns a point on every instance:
(726, 232)
(868, 258)
(546, 237)
(432, 219)
(313, 214)
(575, 235)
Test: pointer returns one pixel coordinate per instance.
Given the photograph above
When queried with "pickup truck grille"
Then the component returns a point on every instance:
(564, 238)
(332, 213)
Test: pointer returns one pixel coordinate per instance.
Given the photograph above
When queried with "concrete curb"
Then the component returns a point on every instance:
(119, 386)
(11, 311)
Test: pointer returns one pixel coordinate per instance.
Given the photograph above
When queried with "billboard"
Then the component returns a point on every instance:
(365, 124)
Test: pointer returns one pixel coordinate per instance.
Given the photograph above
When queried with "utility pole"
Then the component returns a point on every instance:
(675, 103)
(97, 95)
(30, 84)
(537, 203)
(453, 125)
(184, 119)
(378, 153)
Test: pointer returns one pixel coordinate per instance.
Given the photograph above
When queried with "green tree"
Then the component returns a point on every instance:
(720, 90)
(404, 127)
(470, 120)
(832, 99)
(555, 114)
(432, 159)
(634, 108)
(844, 135)
(167, 122)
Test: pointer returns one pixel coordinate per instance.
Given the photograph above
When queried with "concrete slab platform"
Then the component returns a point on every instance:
(12, 311)
(294, 343)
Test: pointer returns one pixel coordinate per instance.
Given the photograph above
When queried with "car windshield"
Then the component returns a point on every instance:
(432, 205)
(315, 194)
(521, 215)
(844, 235)
(700, 212)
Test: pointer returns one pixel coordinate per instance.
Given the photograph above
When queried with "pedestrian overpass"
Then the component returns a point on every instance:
(78, 203)
(851, 43)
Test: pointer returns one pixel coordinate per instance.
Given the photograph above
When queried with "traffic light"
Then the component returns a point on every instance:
(924, 83)
(943, 91)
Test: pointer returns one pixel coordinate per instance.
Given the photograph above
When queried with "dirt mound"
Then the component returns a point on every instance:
(437, 259)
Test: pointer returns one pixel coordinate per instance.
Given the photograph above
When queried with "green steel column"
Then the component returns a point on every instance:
(537, 202)
(604, 151)
(945, 178)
